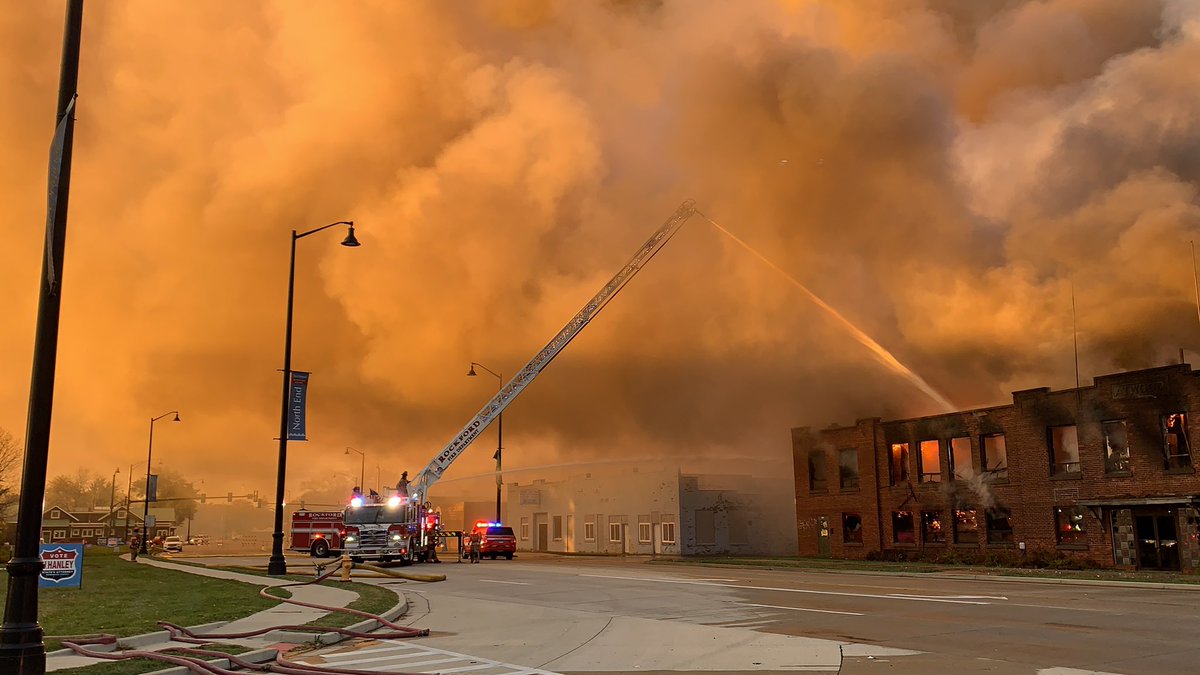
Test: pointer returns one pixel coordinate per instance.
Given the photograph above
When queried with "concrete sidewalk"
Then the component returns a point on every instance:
(283, 614)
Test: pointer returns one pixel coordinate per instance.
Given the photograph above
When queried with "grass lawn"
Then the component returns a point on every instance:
(819, 564)
(124, 599)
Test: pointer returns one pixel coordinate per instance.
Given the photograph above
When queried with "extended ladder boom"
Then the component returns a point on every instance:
(431, 473)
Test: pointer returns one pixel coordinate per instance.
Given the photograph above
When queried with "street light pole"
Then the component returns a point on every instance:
(499, 436)
(277, 566)
(149, 452)
(362, 467)
(112, 500)
(22, 650)
(128, 502)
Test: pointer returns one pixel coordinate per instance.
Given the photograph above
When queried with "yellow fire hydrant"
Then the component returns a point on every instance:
(346, 567)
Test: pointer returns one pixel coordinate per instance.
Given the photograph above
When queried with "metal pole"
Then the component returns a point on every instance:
(112, 500)
(362, 471)
(22, 651)
(1075, 335)
(1195, 280)
(128, 502)
(499, 450)
(146, 501)
(277, 565)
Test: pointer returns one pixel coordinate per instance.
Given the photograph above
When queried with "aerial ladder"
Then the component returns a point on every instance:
(419, 488)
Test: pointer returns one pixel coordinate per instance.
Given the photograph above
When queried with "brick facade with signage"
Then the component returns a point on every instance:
(1104, 472)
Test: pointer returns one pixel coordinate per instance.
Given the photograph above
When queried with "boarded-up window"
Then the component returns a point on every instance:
(738, 532)
(706, 528)
(557, 524)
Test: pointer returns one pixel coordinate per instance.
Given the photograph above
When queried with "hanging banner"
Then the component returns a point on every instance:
(63, 566)
(297, 398)
(152, 488)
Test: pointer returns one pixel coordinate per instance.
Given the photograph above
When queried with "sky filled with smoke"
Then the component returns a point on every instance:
(942, 172)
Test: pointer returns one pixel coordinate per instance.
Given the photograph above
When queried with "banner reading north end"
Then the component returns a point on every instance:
(297, 397)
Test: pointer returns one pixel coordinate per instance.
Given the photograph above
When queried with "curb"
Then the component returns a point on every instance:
(137, 641)
(256, 656)
(945, 574)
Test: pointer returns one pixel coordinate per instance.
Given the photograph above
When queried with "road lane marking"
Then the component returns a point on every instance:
(951, 597)
(791, 590)
(497, 581)
(802, 609)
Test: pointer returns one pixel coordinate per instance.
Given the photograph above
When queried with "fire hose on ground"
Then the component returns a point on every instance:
(196, 661)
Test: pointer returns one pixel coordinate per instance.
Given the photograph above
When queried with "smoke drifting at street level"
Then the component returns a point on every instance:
(949, 166)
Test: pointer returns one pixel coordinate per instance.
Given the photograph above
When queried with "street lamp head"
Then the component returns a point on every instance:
(350, 239)
(176, 418)
(472, 373)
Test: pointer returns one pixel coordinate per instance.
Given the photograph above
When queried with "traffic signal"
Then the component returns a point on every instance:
(229, 497)
(203, 497)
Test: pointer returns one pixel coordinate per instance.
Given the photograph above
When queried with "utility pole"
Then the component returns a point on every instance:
(22, 651)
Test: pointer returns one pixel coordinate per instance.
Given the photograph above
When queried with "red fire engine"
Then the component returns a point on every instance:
(396, 529)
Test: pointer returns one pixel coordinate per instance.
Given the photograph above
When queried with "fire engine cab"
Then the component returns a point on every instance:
(395, 529)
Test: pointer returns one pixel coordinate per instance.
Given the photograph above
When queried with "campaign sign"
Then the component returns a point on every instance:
(63, 566)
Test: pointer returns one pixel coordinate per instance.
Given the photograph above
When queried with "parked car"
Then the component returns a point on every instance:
(173, 544)
(498, 540)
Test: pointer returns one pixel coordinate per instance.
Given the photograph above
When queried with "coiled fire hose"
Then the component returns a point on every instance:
(284, 667)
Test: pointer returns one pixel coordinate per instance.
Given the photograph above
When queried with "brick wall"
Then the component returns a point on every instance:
(1089, 494)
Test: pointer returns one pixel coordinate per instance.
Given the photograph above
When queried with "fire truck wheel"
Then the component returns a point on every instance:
(406, 558)
(320, 548)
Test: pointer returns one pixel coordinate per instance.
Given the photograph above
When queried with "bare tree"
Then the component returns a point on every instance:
(10, 461)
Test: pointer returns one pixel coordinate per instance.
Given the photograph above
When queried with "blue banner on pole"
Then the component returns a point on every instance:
(63, 566)
(152, 488)
(296, 402)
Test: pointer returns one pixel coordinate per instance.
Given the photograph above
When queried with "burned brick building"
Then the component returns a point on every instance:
(1104, 472)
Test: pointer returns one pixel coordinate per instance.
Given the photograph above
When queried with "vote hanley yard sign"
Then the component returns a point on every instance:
(63, 566)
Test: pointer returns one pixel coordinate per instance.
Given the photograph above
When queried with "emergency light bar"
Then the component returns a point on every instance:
(484, 523)
(394, 501)
(356, 502)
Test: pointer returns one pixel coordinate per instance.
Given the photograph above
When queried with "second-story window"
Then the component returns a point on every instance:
(816, 470)
(995, 455)
(898, 463)
(961, 463)
(1177, 451)
(1064, 450)
(930, 462)
(1116, 446)
(848, 469)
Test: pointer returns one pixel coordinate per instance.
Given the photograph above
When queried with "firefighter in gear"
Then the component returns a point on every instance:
(476, 542)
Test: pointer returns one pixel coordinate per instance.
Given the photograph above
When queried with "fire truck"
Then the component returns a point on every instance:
(398, 529)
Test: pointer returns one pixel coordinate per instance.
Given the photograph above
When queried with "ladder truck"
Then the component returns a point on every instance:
(419, 488)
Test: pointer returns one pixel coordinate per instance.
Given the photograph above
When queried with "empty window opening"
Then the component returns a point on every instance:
(966, 526)
(557, 529)
(995, 455)
(999, 526)
(930, 460)
(1177, 451)
(1116, 446)
(852, 528)
(1064, 450)
(933, 528)
(898, 463)
(961, 463)
(902, 527)
(816, 470)
(848, 469)
(1069, 525)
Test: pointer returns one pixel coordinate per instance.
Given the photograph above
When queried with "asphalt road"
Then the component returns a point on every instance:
(611, 615)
